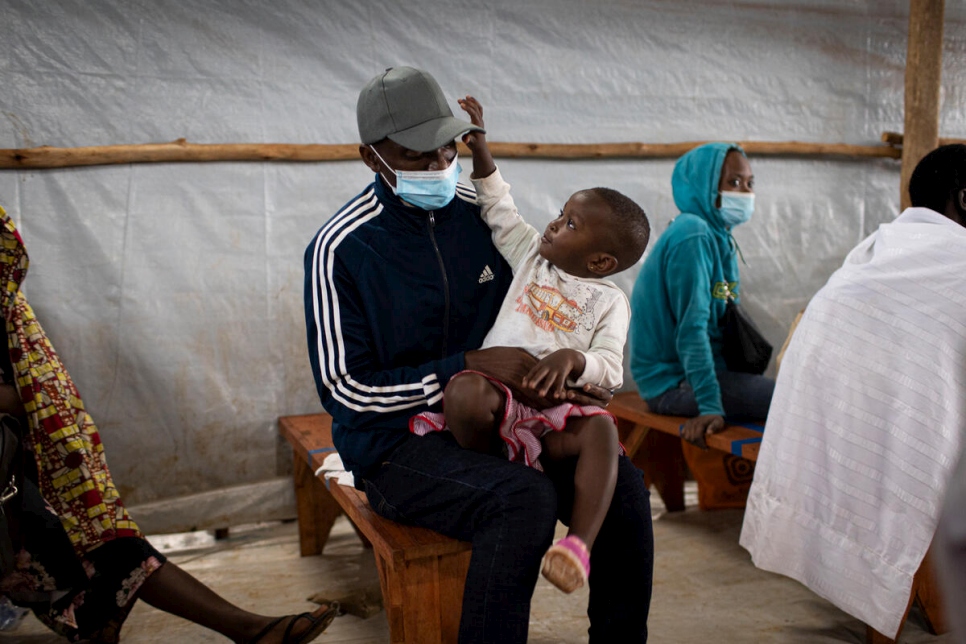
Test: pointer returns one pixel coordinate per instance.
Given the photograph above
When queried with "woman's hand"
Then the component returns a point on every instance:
(695, 429)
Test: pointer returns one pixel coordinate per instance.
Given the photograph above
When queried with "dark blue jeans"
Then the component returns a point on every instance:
(745, 396)
(509, 511)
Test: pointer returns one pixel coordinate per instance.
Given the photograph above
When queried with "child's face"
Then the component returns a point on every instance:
(577, 234)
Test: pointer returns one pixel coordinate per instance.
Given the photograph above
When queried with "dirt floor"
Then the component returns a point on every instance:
(705, 589)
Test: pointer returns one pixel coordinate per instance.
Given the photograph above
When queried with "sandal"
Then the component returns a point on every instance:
(318, 622)
(567, 564)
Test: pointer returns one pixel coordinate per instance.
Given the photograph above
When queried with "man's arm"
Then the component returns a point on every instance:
(353, 386)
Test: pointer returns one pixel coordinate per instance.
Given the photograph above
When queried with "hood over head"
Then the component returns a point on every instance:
(695, 181)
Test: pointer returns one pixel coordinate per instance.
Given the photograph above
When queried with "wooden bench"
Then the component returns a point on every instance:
(659, 455)
(421, 572)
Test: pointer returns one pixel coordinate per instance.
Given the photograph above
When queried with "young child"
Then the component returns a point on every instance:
(575, 323)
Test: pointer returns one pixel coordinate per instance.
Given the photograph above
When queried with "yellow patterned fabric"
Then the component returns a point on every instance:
(62, 436)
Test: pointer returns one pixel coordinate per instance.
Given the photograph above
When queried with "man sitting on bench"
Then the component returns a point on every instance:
(870, 410)
(402, 285)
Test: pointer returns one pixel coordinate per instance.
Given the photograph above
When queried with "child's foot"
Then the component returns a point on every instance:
(567, 564)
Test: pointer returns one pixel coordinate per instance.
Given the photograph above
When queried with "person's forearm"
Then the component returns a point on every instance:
(483, 164)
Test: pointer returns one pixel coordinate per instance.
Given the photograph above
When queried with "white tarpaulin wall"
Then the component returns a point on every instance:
(173, 292)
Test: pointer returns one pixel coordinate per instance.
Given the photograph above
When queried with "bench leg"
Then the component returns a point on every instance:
(423, 598)
(928, 595)
(631, 436)
(661, 458)
(317, 510)
(925, 592)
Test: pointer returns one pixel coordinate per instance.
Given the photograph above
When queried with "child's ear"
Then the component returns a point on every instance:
(602, 264)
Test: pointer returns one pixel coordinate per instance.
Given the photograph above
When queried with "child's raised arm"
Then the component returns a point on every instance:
(483, 165)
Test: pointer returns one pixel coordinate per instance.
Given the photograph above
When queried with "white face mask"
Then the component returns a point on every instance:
(736, 207)
(427, 189)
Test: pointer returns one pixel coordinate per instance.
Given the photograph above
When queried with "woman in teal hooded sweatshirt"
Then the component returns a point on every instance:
(681, 293)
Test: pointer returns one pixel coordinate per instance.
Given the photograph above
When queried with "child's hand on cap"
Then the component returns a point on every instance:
(475, 111)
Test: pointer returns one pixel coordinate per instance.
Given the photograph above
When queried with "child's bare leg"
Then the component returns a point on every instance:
(593, 440)
(473, 407)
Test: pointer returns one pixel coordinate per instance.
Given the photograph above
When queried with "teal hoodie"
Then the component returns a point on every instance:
(681, 292)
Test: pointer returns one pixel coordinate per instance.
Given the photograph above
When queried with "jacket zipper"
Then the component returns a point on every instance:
(442, 268)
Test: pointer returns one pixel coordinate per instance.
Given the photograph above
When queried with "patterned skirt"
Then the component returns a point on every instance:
(522, 426)
(82, 558)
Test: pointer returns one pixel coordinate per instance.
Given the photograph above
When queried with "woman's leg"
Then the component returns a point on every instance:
(474, 407)
(679, 401)
(174, 591)
(745, 395)
(593, 441)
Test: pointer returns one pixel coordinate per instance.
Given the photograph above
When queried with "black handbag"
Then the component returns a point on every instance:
(745, 349)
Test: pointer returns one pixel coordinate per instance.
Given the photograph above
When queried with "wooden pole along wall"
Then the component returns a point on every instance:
(923, 72)
(181, 151)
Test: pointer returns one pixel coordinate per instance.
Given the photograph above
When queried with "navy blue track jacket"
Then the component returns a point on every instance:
(393, 297)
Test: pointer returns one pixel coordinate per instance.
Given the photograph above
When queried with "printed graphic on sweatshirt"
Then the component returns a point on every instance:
(486, 275)
(551, 310)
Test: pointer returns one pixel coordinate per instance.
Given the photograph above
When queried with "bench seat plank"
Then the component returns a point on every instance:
(741, 440)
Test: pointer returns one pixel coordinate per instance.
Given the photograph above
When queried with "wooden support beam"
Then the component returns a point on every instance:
(895, 138)
(923, 72)
(181, 151)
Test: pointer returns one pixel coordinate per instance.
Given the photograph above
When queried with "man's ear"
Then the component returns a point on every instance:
(602, 264)
(369, 157)
(961, 200)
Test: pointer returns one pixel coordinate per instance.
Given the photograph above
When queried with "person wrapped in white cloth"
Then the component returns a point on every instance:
(869, 410)
(561, 310)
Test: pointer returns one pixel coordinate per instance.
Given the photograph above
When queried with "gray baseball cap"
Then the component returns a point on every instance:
(407, 106)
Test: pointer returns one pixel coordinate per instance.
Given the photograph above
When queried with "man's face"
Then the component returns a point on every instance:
(397, 157)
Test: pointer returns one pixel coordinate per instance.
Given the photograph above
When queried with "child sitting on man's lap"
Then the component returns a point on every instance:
(560, 310)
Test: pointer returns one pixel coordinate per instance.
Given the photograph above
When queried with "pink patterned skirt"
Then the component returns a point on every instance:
(522, 426)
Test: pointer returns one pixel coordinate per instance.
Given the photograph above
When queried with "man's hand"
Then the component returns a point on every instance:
(509, 365)
(590, 394)
(483, 164)
(695, 429)
(548, 378)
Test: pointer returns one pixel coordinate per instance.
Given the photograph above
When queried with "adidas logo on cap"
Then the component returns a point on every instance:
(486, 275)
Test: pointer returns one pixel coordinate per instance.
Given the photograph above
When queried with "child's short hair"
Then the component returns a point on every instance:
(631, 231)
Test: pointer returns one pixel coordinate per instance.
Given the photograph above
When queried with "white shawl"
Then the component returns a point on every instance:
(866, 422)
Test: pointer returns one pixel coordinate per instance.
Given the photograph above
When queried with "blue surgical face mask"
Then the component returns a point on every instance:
(428, 189)
(736, 207)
